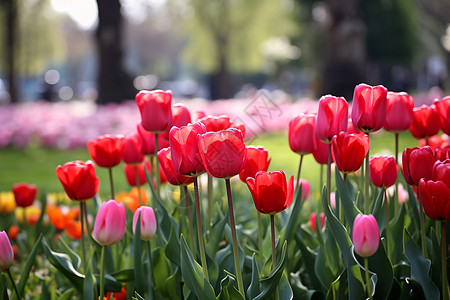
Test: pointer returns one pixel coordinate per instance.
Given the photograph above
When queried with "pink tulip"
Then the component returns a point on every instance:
(6, 251)
(399, 112)
(148, 222)
(332, 117)
(110, 223)
(369, 107)
(366, 235)
(306, 189)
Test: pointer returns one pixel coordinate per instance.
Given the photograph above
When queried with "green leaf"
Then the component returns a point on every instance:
(139, 280)
(90, 287)
(378, 211)
(125, 275)
(172, 249)
(420, 267)
(173, 290)
(67, 295)
(414, 206)
(228, 290)
(355, 282)
(294, 219)
(397, 235)
(269, 284)
(350, 209)
(160, 268)
(254, 288)
(63, 263)
(216, 235)
(27, 268)
(338, 289)
(309, 257)
(76, 260)
(192, 274)
(138, 297)
(3, 286)
(380, 264)
(284, 289)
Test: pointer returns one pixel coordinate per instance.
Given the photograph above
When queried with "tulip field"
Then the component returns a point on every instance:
(159, 199)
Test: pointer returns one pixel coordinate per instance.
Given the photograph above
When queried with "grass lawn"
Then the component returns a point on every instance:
(37, 165)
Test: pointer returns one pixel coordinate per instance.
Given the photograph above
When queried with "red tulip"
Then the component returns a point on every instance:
(107, 150)
(24, 194)
(174, 178)
(312, 221)
(130, 173)
(426, 122)
(321, 152)
(78, 179)
(369, 107)
(180, 116)
(443, 108)
(302, 138)
(216, 123)
(332, 117)
(443, 153)
(148, 140)
(223, 153)
(155, 108)
(434, 142)
(197, 115)
(399, 112)
(349, 150)
(366, 235)
(271, 194)
(383, 171)
(435, 197)
(184, 149)
(441, 171)
(257, 160)
(417, 163)
(132, 149)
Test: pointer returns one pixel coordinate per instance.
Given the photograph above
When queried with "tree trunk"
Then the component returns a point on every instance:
(346, 57)
(114, 83)
(10, 44)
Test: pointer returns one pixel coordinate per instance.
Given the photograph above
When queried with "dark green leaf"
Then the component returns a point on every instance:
(350, 209)
(192, 274)
(420, 267)
(228, 290)
(254, 288)
(414, 206)
(139, 280)
(76, 260)
(294, 219)
(125, 275)
(172, 249)
(63, 263)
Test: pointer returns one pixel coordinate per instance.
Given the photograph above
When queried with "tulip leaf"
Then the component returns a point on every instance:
(339, 287)
(268, 285)
(3, 285)
(322, 270)
(228, 290)
(294, 220)
(139, 279)
(90, 287)
(397, 235)
(240, 250)
(160, 268)
(216, 235)
(192, 274)
(125, 275)
(420, 267)
(414, 206)
(173, 285)
(379, 263)
(254, 288)
(309, 257)
(436, 263)
(172, 249)
(378, 211)
(137, 296)
(355, 282)
(350, 209)
(63, 263)
(27, 268)
(76, 260)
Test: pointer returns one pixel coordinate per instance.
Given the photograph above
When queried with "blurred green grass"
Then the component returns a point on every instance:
(37, 165)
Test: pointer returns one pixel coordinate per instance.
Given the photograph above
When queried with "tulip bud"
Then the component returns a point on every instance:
(107, 150)
(148, 222)
(155, 109)
(369, 107)
(110, 223)
(399, 112)
(366, 235)
(257, 160)
(443, 108)
(24, 194)
(417, 163)
(78, 179)
(312, 221)
(332, 117)
(132, 153)
(383, 171)
(6, 251)
(349, 151)
(302, 138)
(426, 122)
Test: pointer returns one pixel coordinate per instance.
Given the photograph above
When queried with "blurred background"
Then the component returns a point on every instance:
(106, 50)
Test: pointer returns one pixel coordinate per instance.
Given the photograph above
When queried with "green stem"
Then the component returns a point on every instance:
(366, 266)
(157, 165)
(111, 182)
(191, 226)
(366, 182)
(13, 283)
(422, 226)
(274, 254)
(199, 230)
(298, 172)
(233, 235)
(150, 268)
(260, 238)
(83, 238)
(102, 273)
(341, 206)
(388, 232)
(138, 184)
(445, 295)
(321, 178)
(210, 194)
